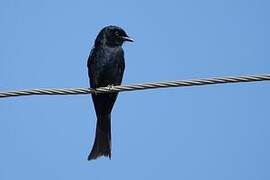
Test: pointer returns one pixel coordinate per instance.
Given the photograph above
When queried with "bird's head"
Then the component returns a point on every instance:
(112, 36)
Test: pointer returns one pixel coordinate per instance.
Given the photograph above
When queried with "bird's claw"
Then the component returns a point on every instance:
(95, 91)
(110, 87)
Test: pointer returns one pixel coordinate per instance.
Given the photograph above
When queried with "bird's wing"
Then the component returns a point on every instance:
(90, 63)
(121, 66)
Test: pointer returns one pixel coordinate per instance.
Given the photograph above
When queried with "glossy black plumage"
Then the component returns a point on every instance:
(106, 66)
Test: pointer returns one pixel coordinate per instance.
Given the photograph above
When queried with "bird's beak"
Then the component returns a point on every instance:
(126, 38)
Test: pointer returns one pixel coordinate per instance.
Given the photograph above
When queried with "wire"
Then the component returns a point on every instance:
(133, 87)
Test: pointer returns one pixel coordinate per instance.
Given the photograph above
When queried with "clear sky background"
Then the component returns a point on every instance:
(207, 133)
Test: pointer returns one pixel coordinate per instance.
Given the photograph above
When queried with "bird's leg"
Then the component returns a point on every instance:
(110, 87)
(95, 91)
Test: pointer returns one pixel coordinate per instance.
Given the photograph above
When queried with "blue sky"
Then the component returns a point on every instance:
(208, 133)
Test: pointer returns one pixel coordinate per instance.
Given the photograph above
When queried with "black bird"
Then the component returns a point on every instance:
(106, 66)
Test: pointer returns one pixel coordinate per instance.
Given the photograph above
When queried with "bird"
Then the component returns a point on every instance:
(106, 66)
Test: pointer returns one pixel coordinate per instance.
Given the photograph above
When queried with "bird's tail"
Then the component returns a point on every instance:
(102, 144)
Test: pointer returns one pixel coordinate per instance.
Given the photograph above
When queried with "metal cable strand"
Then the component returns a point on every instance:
(133, 87)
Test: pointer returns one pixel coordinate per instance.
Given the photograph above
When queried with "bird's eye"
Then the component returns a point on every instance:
(116, 33)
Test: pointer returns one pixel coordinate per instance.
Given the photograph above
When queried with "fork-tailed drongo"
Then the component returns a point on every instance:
(106, 66)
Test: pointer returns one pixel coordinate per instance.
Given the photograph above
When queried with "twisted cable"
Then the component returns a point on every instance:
(133, 87)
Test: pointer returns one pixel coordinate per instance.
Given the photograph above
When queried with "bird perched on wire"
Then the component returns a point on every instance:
(106, 66)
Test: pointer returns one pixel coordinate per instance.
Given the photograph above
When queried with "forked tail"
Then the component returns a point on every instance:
(102, 143)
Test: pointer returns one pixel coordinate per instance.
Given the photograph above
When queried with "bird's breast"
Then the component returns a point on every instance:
(108, 68)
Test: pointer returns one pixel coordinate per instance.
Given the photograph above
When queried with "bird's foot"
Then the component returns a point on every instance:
(110, 87)
(95, 92)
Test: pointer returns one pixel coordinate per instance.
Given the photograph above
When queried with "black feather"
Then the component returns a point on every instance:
(106, 66)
